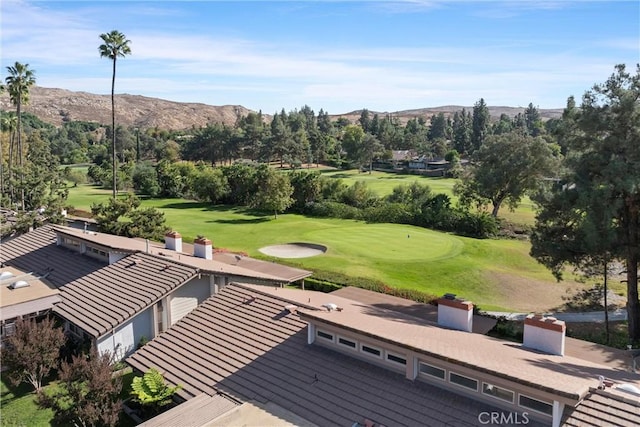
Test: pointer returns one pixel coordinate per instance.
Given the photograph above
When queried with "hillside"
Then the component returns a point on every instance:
(58, 105)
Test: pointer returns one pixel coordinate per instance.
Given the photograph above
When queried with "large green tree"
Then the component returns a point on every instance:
(602, 140)
(19, 82)
(505, 168)
(115, 44)
(480, 124)
(273, 192)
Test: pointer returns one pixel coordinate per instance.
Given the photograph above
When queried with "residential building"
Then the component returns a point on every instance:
(118, 292)
(329, 360)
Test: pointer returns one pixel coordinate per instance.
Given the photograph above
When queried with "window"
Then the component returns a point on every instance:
(160, 320)
(396, 358)
(8, 329)
(497, 392)
(463, 381)
(325, 335)
(432, 371)
(71, 242)
(371, 350)
(535, 405)
(347, 343)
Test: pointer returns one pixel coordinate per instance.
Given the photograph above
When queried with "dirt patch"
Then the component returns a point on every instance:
(526, 295)
(294, 250)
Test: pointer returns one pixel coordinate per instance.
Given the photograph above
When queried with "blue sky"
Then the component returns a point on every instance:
(336, 55)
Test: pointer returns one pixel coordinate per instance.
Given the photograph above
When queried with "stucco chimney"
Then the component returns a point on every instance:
(173, 241)
(544, 333)
(202, 248)
(455, 313)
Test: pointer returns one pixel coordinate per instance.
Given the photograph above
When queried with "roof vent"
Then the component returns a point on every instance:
(19, 284)
(6, 275)
(331, 306)
(291, 308)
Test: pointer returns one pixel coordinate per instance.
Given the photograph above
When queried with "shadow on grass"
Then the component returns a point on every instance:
(339, 175)
(241, 220)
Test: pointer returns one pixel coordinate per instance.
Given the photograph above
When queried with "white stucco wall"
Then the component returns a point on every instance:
(124, 339)
(189, 296)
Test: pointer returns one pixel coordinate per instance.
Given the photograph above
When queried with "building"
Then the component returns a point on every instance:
(307, 358)
(118, 292)
(24, 295)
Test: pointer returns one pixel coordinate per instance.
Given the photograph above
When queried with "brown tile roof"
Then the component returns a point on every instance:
(95, 296)
(605, 408)
(239, 266)
(115, 293)
(198, 411)
(566, 376)
(244, 343)
(37, 252)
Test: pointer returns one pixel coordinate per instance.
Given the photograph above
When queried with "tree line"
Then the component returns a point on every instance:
(581, 170)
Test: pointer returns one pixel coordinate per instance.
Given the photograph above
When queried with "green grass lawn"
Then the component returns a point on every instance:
(383, 183)
(20, 408)
(496, 274)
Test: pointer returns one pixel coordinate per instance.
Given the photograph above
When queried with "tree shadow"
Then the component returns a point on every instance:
(241, 220)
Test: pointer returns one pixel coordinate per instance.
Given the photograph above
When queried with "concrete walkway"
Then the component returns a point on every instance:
(589, 316)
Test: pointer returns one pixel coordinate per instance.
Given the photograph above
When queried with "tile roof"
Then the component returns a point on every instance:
(198, 411)
(98, 297)
(243, 342)
(37, 252)
(108, 297)
(566, 376)
(239, 266)
(95, 296)
(605, 408)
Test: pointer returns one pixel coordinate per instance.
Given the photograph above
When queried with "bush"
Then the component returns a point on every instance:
(396, 213)
(333, 210)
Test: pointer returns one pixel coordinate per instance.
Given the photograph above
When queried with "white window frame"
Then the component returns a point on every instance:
(533, 409)
(463, 376)
(351, 340)
(320, 331)
(513, 393)
(428, 375)
(392, 354)
(369, 354)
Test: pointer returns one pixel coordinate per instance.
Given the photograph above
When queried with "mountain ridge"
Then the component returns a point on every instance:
(56, 106)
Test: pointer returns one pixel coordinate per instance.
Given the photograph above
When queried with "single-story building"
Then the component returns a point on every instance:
(308, 358)
(119, 292)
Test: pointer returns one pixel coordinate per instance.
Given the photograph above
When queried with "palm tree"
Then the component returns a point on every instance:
(19, 81)
(9, 124)
(115, 45)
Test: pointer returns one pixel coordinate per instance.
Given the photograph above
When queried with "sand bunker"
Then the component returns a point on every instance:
(294, 250)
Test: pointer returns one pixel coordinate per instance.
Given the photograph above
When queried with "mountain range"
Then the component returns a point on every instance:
(55, 106)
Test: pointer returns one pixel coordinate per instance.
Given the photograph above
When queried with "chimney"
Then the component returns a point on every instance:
(173, 241)
(202, 248)
(455, 313)
(544, 333)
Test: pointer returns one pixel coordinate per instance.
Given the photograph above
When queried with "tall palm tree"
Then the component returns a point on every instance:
(9, 124)
(19, 82)
(115, 45)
